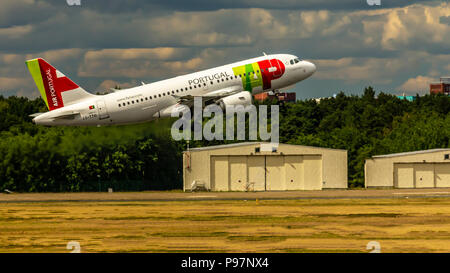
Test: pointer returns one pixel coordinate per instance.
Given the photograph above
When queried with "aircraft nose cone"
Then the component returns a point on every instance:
(311, 68)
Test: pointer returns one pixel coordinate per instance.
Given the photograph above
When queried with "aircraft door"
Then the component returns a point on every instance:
(102, 111)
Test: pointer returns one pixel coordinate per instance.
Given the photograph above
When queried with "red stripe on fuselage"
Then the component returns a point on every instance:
(267, 76)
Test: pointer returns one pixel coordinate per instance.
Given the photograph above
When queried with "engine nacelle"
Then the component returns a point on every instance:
(167, 112)
(243, 98)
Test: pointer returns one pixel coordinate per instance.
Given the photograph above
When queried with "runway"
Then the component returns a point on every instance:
(202, 196)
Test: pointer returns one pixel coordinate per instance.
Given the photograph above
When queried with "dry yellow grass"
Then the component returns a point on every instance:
(399, 225)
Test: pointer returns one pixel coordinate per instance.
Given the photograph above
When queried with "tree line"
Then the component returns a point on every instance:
(145, 157)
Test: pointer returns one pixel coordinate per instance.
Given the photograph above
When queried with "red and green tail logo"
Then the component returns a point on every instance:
(50, 82)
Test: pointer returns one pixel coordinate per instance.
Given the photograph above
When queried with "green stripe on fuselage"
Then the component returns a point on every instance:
(252, 76)
(35, 70)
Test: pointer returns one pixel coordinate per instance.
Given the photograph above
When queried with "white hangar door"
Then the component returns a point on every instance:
(266, 172)
(442, 175)
(256, 173)
(424, 175)
(238, 173)
(404, 176)
(312, 165)
(295, 174)
(275, 173)
(219, 173)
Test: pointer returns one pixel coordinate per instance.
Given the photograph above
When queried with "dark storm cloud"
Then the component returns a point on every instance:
(119, 6)
(23, 12)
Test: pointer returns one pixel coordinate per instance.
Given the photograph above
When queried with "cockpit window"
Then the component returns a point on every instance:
(294, 61)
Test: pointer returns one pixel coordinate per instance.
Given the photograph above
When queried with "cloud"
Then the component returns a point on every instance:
(418, 85)
(373, 70)
(21, 87)
(15, 32)
(24, 12)
(417, 26)
(107, 84)
(352, 43)
(145, 63)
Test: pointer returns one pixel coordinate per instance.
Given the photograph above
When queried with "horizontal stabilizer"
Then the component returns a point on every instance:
(66, 116)
(35, 115)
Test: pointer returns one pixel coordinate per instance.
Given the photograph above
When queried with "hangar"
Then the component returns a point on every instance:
(419, 169)
(259, 166)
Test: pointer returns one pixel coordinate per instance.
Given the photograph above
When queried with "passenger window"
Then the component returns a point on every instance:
(123, 104)
(212, 83)
(132, 101)
(128, 103)
(120, 105)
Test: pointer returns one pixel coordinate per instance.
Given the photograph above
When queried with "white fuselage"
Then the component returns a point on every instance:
(145, 103)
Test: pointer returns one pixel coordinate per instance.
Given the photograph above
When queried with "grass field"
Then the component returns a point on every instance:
(345, 225)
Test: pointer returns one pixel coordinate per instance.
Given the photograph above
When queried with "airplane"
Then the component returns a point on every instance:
(232, 84)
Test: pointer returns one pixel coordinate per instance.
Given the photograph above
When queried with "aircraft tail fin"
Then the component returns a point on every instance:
(56, 89)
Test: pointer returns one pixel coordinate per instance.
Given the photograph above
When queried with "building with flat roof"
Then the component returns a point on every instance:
(418, 169)
(442, 87)
(259, 166)
(281, 97)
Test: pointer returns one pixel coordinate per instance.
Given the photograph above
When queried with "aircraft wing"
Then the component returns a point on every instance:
(214, 95)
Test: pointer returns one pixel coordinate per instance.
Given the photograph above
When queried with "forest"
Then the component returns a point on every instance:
(145, 157)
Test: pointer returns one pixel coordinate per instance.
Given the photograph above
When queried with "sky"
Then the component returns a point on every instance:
(398, 47)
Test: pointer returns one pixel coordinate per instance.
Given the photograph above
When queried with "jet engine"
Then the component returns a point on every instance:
(243, 98)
